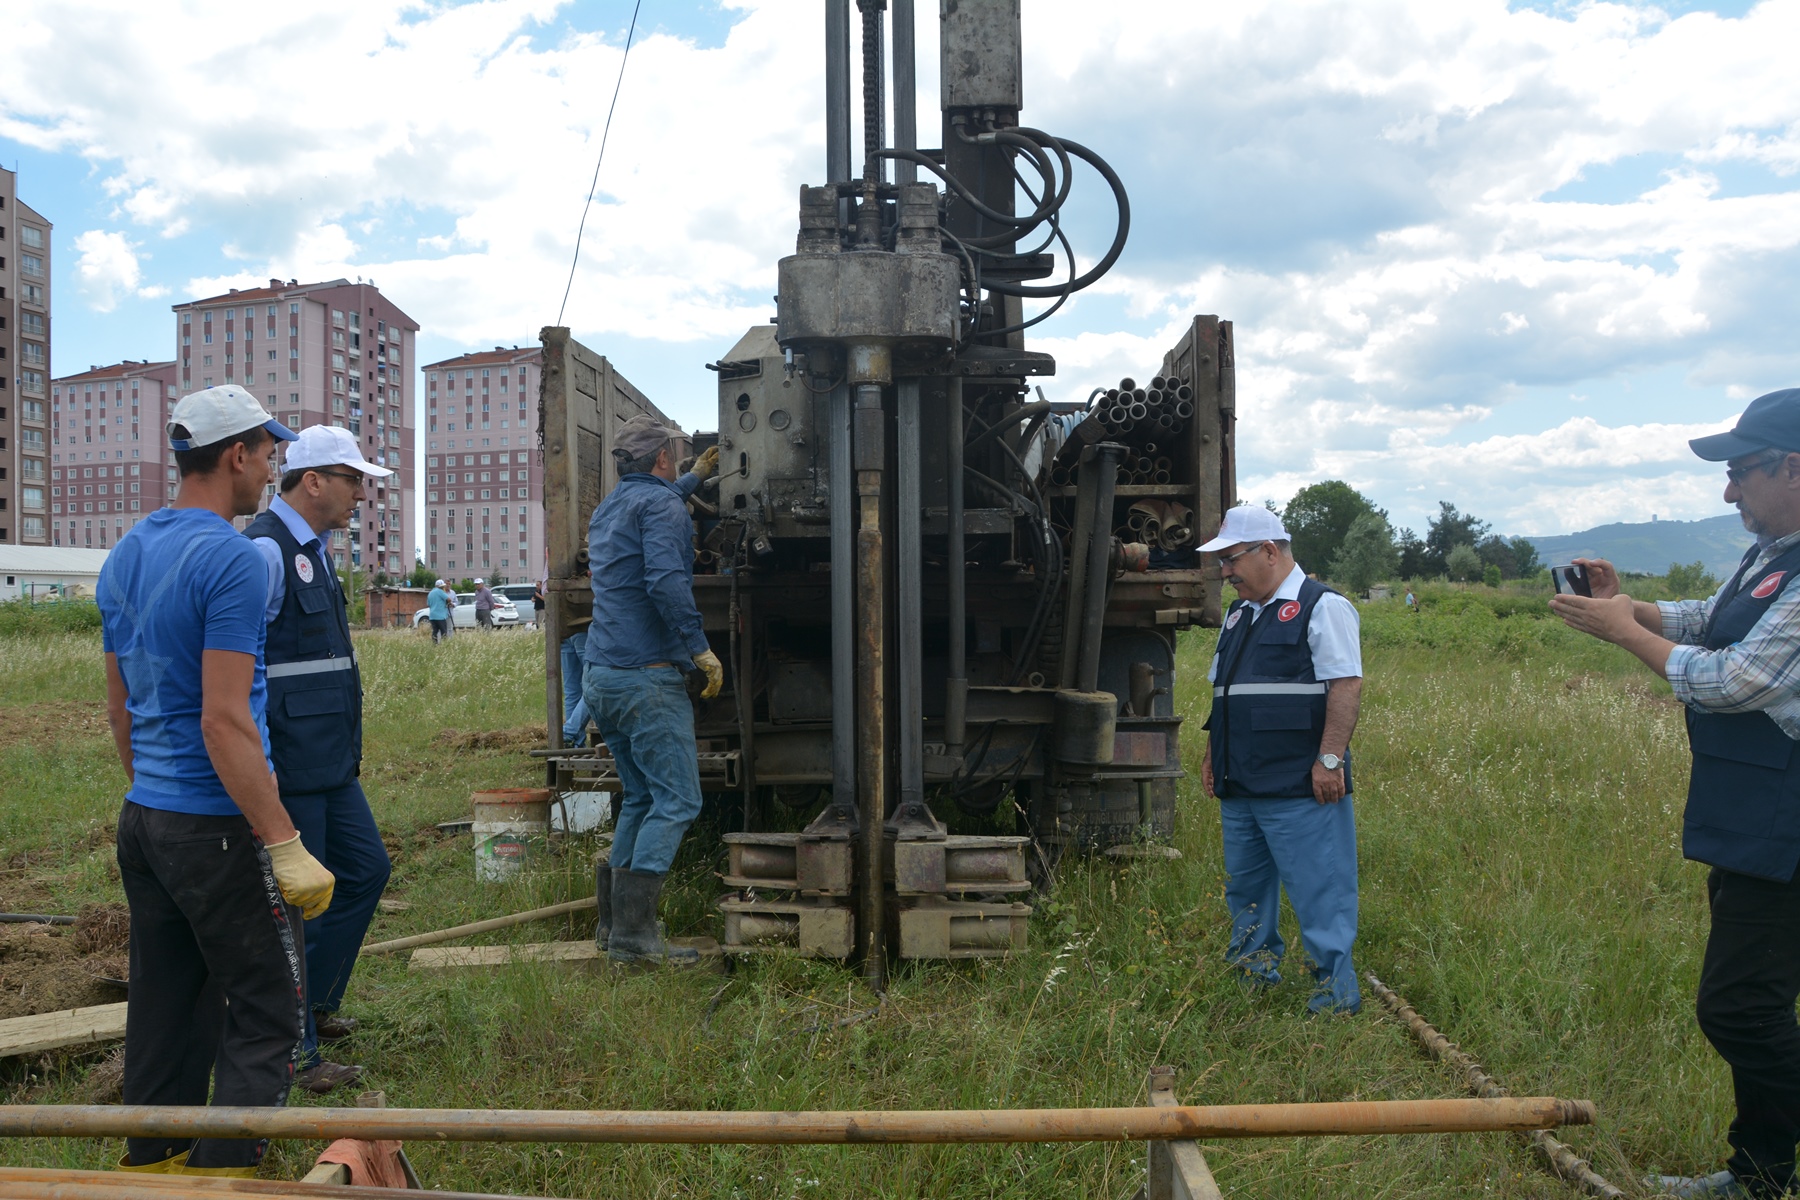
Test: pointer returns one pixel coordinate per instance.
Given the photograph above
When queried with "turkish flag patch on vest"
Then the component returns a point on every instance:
(1768, 586)
(1288, 611)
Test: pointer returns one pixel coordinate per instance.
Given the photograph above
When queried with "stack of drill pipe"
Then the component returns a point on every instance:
(1139, 417)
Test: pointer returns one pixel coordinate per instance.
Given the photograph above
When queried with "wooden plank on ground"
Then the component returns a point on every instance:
(1177, 1169)
(438, 958)
(59, 1030)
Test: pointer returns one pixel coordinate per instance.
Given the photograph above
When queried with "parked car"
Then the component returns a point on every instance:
(520, 595)
(462, 616)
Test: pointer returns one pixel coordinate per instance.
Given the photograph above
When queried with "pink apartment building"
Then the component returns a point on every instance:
(336, 352)
(109, 461)
(484, 510)
(24, 368)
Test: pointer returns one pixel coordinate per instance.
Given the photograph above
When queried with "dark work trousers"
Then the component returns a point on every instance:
(339, 829)
(216, 975)
(1748, 982)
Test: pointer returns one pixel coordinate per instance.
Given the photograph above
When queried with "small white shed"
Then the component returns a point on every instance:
(49, 572)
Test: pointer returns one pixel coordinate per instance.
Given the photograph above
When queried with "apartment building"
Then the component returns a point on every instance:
(110, 464)
(316, 353)
(484, 508)
(24, 368)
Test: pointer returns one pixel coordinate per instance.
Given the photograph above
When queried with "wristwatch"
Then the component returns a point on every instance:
(1331, 762)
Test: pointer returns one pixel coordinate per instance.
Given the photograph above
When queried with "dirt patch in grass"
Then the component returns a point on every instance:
(47, 968)
(52, 721)
(522, 737)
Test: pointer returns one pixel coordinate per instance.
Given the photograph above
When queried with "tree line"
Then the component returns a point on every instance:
(1340, 533)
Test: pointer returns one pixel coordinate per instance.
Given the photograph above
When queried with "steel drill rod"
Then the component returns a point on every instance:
(473, 927)
(1563, 1160)
(62, 1183)
(921, 1126)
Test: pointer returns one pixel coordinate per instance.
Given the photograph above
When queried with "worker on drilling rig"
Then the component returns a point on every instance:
(645, 637)
(1287, 686)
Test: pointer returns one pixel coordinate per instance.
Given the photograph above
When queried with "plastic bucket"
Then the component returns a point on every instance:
(510, 827)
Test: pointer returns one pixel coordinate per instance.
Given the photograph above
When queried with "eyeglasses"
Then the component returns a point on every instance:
(356, 479)
(1765, 461)
(1225, 560)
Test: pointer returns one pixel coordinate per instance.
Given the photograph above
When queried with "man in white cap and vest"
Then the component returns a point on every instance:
(1734, 661)
(215, 872)
(315, 720)
(646, 630)
(1287, 685)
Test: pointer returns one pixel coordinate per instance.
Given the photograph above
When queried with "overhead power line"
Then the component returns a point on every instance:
(582, 227)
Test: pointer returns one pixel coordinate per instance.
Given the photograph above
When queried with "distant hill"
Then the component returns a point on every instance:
(1651, 546)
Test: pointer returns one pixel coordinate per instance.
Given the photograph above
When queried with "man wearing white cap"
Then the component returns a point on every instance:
(214, 871)
(315, 720)
(1287, 684)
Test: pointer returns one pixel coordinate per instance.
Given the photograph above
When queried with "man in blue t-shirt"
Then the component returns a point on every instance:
(214, 872)
(438, 605)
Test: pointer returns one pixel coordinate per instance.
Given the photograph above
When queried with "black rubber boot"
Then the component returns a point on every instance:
(603, 901)
(636, 937)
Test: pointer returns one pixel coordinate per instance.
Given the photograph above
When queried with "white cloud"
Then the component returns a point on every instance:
(1367, 188)
(108, 270)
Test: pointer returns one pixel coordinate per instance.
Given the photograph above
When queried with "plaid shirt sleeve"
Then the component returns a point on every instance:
(1759, 673)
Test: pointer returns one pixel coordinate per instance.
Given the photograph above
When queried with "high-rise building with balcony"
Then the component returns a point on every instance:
(24, 368)
(484, 498)
(110, 464)
(316, 353)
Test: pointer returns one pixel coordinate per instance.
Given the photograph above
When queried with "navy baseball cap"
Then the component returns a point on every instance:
(1772, 422)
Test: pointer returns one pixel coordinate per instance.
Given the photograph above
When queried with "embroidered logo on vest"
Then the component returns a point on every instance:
(1288, 611)
(1232, 620)
(303, 567)
(1767, 587)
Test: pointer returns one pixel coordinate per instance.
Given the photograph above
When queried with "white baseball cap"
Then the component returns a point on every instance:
(478, 581)
(215, 413)
(1247, 523)
(440, 583)
(329, 446)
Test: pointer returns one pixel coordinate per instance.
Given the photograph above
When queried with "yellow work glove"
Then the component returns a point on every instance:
(707, 465)
(304, 881)
(708, 664)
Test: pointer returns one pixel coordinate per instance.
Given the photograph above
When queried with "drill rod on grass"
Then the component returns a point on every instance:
(473, 927)
(1563, 1161)
(927, 1126)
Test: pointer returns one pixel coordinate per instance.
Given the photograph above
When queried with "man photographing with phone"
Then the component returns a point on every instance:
(1734, 661)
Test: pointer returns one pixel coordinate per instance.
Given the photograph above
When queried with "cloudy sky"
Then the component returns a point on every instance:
(1510, 256)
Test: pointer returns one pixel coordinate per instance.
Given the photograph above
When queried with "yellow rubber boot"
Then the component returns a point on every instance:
(217, 1172)
(168, 1166)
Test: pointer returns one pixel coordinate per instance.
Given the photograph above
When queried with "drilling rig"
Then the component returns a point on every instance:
(942, 599)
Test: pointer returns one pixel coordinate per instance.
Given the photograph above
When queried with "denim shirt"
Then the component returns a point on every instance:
(641, 553)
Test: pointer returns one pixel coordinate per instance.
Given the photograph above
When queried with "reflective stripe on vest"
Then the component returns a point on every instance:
(1270, 689)
(314, 667)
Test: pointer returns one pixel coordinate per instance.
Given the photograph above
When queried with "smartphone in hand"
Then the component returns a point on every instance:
(1571, 580)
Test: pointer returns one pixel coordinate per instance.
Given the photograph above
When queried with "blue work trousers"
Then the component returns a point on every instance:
(339, 830)
(647, 721)
(1310, 849)
(575, 707)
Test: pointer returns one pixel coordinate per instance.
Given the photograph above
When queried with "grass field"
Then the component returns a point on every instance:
(1519, 803)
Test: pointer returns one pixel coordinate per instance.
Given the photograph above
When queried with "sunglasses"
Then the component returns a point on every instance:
(1766, 461)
